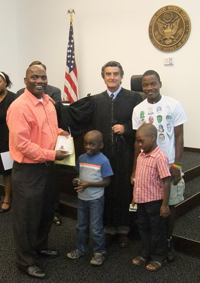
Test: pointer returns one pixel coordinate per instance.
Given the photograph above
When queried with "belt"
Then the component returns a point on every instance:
(48, 163)
(20, 165)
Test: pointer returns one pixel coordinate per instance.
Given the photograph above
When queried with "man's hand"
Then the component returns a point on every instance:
(118, 129)
(60, 155)
(164, 210)
(64, 133)
(175, 175)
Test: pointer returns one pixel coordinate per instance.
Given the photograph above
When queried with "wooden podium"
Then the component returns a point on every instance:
(64, 176)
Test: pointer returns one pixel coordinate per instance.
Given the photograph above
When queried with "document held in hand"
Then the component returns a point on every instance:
(6, 160)
(65, 144)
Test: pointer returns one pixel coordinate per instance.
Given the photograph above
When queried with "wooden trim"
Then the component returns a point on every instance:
(187, 205)
(68, 210)
(191, 174)
(186, 245)
(192, 149)
(68, 205)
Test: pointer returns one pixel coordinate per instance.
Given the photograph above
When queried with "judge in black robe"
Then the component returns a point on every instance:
(118, 144)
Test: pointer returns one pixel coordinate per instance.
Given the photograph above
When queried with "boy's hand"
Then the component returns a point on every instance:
(82, 185)
(133, 202)
(164, 211)
(75, 182)
(79, 189)
(132, 178)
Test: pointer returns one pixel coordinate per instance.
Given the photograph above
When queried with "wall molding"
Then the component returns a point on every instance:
(192, 149)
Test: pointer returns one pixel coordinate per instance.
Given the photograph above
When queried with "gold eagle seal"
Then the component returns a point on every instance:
(169, 28)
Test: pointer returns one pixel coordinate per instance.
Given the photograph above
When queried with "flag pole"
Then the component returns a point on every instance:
(71, 12)
(71, 74)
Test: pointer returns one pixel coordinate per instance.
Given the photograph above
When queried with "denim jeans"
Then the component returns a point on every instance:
(90, 218)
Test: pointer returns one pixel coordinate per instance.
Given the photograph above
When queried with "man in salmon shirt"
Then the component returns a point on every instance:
(33, 132)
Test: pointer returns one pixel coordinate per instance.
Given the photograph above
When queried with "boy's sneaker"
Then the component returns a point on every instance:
(75, 254)
(97, 259)
(171, 254)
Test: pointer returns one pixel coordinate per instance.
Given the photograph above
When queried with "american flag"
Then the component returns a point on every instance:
(71, 78)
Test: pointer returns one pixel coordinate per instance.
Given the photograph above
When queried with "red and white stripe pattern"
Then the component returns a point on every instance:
(150, 170)
(71, 77)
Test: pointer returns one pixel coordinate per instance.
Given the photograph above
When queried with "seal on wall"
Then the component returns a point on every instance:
(169, 28)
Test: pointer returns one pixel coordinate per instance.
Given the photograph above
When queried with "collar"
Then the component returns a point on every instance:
(153, 153)
(34, 99)
(115, 92)
(155, 102)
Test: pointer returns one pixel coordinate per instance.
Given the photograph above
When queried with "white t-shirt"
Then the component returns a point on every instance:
(166, 114)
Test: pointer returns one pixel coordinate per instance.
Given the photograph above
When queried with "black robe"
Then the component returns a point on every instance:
(96, 110)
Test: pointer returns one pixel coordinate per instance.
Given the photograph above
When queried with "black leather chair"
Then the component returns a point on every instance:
(136, 85)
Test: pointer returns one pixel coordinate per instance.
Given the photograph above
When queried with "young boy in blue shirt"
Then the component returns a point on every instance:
(94, 175)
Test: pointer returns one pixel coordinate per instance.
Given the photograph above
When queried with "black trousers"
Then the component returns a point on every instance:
(33, 199)
(152, 229)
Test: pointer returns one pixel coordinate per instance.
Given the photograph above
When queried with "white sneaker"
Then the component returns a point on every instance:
(97, 259)
(75, 254)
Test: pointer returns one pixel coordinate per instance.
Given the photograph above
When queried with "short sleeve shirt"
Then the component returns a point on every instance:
(166, 114)
(93, 168)
(150, 170)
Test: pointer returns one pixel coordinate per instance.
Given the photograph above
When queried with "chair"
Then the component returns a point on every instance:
(136, 85)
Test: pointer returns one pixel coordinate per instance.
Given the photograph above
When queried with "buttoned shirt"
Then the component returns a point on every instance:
(33, 129)
(115, 93)
(151, 168)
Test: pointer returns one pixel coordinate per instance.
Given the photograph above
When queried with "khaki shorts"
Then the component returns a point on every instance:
(176, 192)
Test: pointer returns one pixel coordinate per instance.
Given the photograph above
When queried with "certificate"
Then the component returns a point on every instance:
(6, 160)
(133, 208)
(65, 144)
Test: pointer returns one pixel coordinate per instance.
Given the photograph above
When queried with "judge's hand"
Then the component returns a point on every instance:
(118, 129)
(60, 155)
